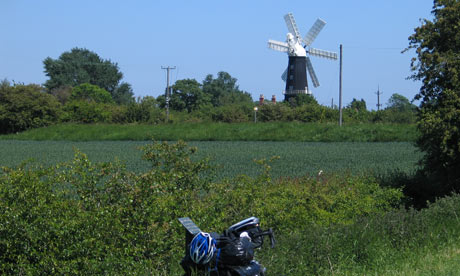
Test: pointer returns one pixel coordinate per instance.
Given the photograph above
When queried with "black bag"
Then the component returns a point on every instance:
(251, 269)
(236, 251)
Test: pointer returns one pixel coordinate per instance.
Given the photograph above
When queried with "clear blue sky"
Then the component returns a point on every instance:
(205, 37)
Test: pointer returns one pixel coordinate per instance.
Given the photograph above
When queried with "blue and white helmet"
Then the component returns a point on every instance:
(202, 248)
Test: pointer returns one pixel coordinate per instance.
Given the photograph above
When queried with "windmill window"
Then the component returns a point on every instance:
(291, 87)
(291, 77)
(292, 66)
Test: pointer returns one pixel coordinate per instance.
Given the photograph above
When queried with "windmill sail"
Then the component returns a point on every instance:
(322, 53)
(314, 31)
(292, 26)
(284, 75)
(310, 70)
(278, 46)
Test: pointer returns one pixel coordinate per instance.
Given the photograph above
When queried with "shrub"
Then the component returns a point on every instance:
(90, 93)
(274, 112)
(145, 110)
(86, 112)
(118, 113)
(231, 114)
(26, 106)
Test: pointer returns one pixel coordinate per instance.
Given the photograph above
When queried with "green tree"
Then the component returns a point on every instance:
(81, 66)
(400, 103)
(123, 94)
(88, 92)
(224, 90)
(358, 105)
(399, 110)
(188, 95)
(437, 65)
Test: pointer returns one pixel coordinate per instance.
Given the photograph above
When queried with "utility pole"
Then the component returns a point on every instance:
(378, 98)
(340, 88)
(332, 103)
(168, 92)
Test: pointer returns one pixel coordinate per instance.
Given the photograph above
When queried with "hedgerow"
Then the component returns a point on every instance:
(85, 218)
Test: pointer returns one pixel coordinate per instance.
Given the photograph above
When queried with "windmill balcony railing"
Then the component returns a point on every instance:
(296, 92)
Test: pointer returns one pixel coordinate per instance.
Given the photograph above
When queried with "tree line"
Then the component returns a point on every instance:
(84, 88)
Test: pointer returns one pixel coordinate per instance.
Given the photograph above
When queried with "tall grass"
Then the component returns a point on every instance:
(277, 131)
(400, 242)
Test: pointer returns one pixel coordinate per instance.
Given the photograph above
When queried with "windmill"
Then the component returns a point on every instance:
(297, 49)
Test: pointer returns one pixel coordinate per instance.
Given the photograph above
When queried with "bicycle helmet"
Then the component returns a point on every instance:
(202, 248)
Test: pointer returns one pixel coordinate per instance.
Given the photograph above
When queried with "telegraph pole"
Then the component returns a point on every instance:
(378, 98)
(168, 92)
(340, 88)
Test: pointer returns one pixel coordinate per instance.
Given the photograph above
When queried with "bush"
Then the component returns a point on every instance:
(118, 114)
(274, 112)
(26, 106)
(231, 114)
(145, 110)
(90, 93)
(86, 112)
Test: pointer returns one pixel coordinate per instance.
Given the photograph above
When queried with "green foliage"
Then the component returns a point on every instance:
(274, 112)
(356, 112)
(232, 113)
(123, 94)
(188, 95)
(82, 111)
(26, 106)
(358, 105)
(81, 66)
(224, 91)
(62, 93)
(304, 99)
(145, 110)
(437, 65)
(440, 140)
(85, 218)
(173, 165)
(391, 244)
(399, 110)
(312, 112)
(90, 93)
(398, 102)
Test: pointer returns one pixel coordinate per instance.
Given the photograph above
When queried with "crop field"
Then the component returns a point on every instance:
(233, 158)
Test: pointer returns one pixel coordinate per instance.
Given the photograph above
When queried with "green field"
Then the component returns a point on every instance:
(233, 158)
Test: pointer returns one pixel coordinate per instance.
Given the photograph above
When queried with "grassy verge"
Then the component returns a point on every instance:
(279, 131)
